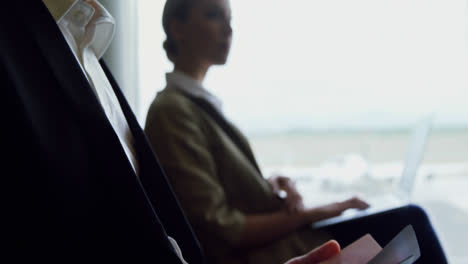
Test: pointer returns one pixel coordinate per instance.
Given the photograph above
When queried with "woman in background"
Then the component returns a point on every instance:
(238, 215)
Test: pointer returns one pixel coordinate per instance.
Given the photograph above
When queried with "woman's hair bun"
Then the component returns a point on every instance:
(173, 9)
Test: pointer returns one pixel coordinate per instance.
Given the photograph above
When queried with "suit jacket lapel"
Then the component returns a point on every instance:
(72, 81)
(54, 48)
(157, 186)
(235, 135)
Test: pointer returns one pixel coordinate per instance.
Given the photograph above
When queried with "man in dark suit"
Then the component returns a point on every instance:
(72, 192)
(83, 184)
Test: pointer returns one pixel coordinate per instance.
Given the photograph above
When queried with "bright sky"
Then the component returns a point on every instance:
(331, 64)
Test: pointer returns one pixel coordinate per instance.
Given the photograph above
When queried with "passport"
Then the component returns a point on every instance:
(402, 249)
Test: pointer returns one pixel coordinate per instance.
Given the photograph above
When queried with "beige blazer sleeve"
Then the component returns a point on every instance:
(181, 141)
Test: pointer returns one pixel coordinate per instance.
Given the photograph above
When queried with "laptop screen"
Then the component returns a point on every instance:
(415, 154)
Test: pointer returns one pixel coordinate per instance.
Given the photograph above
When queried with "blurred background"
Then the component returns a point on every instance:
(328, 92)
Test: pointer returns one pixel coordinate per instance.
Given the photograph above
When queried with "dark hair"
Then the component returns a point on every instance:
(173, 9)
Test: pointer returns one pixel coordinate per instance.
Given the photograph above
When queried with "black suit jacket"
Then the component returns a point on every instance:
(70, 193)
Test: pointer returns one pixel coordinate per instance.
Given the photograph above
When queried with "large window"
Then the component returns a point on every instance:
(317, 84)
(306, 67)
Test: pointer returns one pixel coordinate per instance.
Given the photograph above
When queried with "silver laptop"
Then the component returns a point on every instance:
(401, 195)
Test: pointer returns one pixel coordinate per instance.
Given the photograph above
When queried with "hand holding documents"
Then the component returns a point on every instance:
(403, 249)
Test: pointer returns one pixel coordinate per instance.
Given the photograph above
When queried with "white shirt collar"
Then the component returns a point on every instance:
(185, 83)
(88, 21)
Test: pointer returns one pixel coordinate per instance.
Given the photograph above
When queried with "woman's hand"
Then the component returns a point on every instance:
(332, 209)
(355, 203)
(285, 188)
(322, 253)
(336, 209)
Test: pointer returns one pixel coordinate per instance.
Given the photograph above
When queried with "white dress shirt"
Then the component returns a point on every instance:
(190, 86)
(88, 29)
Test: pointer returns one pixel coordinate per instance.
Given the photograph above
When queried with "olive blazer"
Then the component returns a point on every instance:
(215, 176)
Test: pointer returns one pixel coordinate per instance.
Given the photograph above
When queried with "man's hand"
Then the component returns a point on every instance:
(286, 189)
(322, 253)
